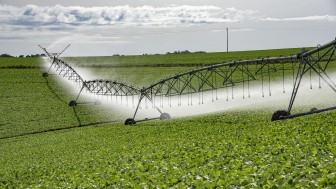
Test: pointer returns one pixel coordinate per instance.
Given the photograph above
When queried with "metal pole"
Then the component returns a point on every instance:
(227, 39)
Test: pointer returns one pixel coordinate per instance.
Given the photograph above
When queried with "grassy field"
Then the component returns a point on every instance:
(44, 143)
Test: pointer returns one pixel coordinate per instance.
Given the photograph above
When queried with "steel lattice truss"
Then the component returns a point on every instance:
(243, 72)
(110, 88)
(232, 73)
(66, 71)
(317, 61)
(218, 76)
(98, 87)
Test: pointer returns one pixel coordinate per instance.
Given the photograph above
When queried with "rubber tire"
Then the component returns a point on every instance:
(45, 74)
(278, 114)
(164, 116)
(73, 103)
(130, 121)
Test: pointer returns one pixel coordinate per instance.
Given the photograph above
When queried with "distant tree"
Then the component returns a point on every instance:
(200, 52)
(116, 55)
(21, 56)
(179, 52)
(5, 55)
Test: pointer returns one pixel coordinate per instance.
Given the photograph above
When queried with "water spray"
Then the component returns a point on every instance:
(229, 78)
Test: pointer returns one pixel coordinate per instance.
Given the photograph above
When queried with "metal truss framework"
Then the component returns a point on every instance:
(97, 87)
(218, 76)
(108, 88)
(65, 70)
(243, 72)
(317, 61)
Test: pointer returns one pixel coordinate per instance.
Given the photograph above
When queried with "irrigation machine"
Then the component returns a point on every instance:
(215, 79)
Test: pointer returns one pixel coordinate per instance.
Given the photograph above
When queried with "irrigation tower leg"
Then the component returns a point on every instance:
(74, 102)
(281, 114)
(299, 75)
(137, 108)
(163, 116)
(306, 64)
(46, 74)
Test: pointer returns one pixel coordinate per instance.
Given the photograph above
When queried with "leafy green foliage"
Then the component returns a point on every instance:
(33, 104)
(230, 150)
(209, 151)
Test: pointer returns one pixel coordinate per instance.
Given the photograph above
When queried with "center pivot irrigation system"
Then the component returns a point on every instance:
(98, 87)
(225, 76)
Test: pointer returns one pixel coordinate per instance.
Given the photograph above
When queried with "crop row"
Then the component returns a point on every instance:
(207, 152)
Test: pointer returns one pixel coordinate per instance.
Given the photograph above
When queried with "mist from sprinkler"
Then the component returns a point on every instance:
(275, 96)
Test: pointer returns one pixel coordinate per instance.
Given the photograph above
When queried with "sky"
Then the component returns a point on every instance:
(133, 27)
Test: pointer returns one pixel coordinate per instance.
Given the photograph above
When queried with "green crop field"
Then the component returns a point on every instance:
(45, 143)
(195, 59)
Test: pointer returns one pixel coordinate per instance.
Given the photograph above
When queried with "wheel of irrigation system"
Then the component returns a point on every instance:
(97, 103)
(279, 114)
(313, 109)
(164, 116)
(45, 74)
(73, 103)
(130, 121)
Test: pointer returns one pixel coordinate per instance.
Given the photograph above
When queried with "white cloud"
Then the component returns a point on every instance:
(32, 15)
(328, 18)
(120, 15)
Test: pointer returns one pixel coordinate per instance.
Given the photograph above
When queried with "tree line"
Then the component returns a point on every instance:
(22, 56)
(184, 52)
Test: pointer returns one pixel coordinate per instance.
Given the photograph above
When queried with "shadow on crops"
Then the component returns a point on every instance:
(79, 121)
(77, 117)
(63, 128)
(54, 92)
(60, 129)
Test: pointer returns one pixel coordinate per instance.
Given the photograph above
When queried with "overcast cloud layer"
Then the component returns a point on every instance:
(144, 15)
(137, 29)
(138, 16)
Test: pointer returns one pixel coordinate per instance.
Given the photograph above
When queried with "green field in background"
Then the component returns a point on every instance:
(45, 143)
